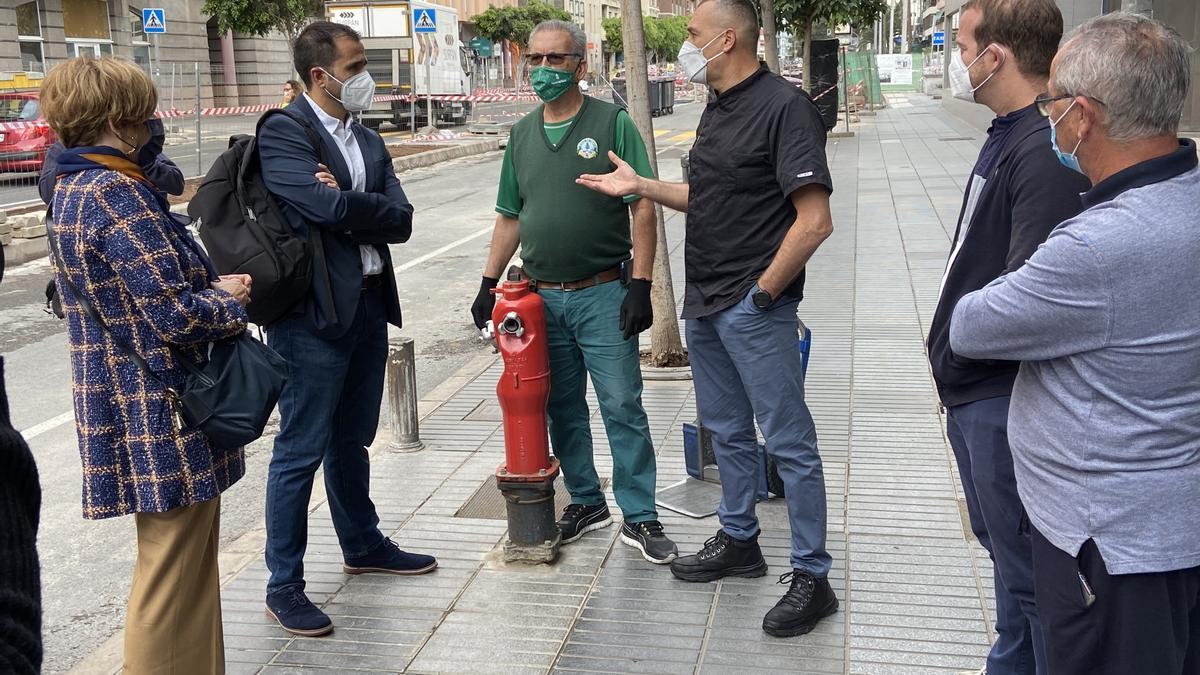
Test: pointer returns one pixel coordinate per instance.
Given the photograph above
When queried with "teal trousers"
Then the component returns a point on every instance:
(585, 339)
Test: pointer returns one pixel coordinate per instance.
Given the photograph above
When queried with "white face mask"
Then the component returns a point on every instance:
(357, 92)
(960, 76)
(695, 65)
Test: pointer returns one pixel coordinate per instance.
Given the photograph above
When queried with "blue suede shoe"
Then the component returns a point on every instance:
(389, 559)
(296, 614)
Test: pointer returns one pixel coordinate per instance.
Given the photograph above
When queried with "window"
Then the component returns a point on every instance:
(31, 57)
(141, 56)
(86, 19)
(29, 23)
(18, 109)
(140, 47)
(29, 35)
(137, 31)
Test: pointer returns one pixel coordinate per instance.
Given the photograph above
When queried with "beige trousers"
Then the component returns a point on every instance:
(174, 620)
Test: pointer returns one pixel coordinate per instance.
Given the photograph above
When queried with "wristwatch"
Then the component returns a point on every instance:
(762, 299)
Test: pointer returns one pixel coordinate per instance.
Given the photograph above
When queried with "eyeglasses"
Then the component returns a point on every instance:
(550, 59)
(1043, 102)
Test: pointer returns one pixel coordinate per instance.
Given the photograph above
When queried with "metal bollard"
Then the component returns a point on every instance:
(402, 395)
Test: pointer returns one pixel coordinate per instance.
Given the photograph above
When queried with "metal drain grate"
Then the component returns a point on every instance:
(487, 502)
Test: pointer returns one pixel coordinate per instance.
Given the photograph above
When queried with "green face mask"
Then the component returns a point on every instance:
(550, 84)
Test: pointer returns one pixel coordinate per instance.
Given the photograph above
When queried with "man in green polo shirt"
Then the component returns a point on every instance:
(574, 245)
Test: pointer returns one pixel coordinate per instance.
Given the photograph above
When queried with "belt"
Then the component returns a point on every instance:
(595, 280)
(372, 281)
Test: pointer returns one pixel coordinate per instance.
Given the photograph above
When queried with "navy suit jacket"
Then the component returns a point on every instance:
(378, 216)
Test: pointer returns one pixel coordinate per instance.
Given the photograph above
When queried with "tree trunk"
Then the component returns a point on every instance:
(665, 344)
(770, 39)
(808, 74)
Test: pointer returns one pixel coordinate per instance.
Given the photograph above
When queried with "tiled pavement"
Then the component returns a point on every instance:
(915, 594)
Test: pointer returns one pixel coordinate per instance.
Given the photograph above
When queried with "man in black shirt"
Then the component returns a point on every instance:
(757, 200)
(1017, 193)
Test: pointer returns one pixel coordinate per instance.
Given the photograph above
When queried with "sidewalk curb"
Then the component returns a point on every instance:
(107, 659)
(21, 251)
(456, 151)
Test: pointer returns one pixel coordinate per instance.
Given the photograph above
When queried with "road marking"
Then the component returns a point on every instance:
(660, 132)
(42, 427)
(685, 136)
(674, 145)
(435, 253)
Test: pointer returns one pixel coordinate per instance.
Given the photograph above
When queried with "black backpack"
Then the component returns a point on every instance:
(245, 232)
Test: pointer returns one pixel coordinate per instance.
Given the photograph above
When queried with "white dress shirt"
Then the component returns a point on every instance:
(372, 263)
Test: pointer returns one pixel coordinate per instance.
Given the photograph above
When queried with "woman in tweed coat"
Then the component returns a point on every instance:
(152, 287)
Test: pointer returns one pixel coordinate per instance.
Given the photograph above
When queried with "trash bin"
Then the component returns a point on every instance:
(667, 86)
(656, 99)
(618, 92)
(654, 89)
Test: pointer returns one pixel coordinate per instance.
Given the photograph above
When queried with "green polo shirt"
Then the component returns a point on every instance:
(628, 146)
(569, 232)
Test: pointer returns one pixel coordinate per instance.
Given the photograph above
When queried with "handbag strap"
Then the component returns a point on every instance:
(90, 310)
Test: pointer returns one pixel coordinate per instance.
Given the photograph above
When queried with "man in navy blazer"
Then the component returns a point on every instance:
(335, 342)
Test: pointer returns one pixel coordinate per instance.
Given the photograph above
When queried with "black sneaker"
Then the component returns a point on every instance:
(722, 556)
(579, 519)
(648, 538)
(807, 601)
(296, 614)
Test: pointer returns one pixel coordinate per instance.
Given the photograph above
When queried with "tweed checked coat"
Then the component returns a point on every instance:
(144, 276)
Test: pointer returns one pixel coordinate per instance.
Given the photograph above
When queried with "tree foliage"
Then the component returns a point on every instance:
(515, 23)
(670, 34)
(612, 35)
(259, 17)
(802, 14)
(664, 35)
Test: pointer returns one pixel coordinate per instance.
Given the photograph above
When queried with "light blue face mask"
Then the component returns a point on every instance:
(1068, 160)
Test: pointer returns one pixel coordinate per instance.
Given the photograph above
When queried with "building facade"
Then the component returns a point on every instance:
(1182, 15)
(676, 7)
(232, 70)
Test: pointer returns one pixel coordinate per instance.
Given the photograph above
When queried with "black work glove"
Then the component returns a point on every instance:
(481, 309)
(636, 313)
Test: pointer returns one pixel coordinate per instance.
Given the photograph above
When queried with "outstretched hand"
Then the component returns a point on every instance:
(620, 183)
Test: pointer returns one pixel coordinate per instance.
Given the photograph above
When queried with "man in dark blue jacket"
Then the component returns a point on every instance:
(336, 341)
(1017, 193)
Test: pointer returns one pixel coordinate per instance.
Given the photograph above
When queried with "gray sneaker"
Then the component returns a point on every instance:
(648, 538)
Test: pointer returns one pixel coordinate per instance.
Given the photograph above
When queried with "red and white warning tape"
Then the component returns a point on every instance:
(254, 109)
(38, 124)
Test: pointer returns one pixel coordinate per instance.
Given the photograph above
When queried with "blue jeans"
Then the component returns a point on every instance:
(746, 364)
(329, 411)
(978, 433)
(583, 328)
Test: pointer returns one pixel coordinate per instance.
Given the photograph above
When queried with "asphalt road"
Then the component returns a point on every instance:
(195, 159)
(87, 565)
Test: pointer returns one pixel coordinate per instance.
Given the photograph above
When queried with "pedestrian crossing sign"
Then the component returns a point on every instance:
(424, 20)
(154, 20)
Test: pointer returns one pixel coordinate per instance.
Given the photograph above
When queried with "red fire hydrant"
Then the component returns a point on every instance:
(526, 478)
